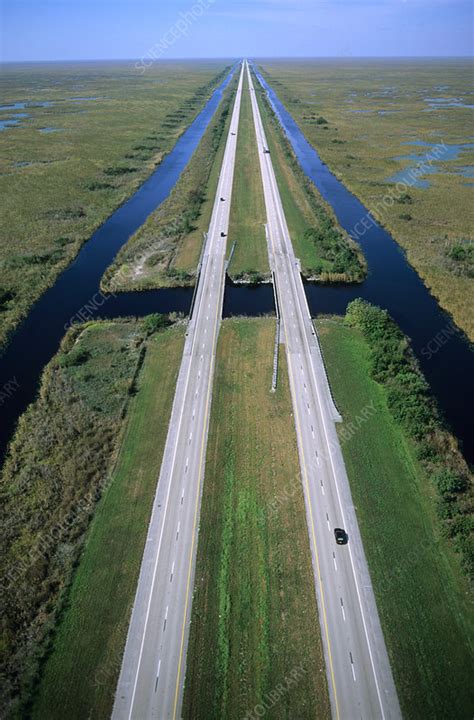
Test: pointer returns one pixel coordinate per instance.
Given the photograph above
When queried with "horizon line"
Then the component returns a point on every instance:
(235, 57)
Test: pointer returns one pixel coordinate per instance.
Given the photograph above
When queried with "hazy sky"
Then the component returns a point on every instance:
(90, 29)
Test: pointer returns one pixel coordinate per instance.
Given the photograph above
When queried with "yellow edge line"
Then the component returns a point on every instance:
(305, 473)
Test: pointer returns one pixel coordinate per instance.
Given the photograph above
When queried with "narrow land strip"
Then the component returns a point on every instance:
(247, 216)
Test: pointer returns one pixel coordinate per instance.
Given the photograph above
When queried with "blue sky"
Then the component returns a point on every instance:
(103, 29)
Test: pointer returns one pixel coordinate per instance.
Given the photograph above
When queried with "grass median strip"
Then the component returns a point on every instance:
(247, 216)
(422, 596)
(255, 638)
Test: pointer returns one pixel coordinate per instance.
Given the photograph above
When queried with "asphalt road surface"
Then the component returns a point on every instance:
(358, 669)
(152, 674)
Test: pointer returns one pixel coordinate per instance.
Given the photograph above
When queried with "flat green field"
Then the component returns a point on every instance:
(254, 619)
(248, 216)
(91, 135)
(165, 250)
(422, 597)
(81, 672)
(363, 116)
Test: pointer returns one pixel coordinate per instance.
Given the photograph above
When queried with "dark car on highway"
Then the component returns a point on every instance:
(340, 535)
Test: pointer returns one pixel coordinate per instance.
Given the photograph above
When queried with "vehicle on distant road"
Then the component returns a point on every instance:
(223, 234)
(341, 536)
(222, 199)
(266, 150)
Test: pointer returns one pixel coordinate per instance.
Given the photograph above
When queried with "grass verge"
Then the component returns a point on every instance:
(254, 620)
(248, 215)
(422, 596)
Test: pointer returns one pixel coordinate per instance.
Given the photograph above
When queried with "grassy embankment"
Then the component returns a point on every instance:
(58, 470)
(248, 216)
(371, 109)
(112, 127)
(422, 595)
(327, 254)
(254, 618)
(165, 251)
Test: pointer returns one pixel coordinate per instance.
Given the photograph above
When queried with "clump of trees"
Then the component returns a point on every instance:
(404, 199)
(5, 297)
(394, 366)
(155, 322)
(461, 257)
(333, 247)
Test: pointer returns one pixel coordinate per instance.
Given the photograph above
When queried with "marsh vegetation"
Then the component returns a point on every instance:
(372, 110)
(58, 187)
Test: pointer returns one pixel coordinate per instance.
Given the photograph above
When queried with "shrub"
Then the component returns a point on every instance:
(96, 185)
(445, 508)
(154, 259)
(461, 252)
(461, 528)
(155, 323)
(462, 258)
(142, 146)
(449, 482)
(63, 241)
(119, 170)
(73, 358)
(405, 199)
(5, 297)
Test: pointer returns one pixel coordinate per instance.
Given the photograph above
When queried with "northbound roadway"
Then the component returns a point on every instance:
(152, 675)
(359, 675)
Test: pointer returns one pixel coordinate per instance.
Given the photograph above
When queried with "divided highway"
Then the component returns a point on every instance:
(358, 669)
(152, 675)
